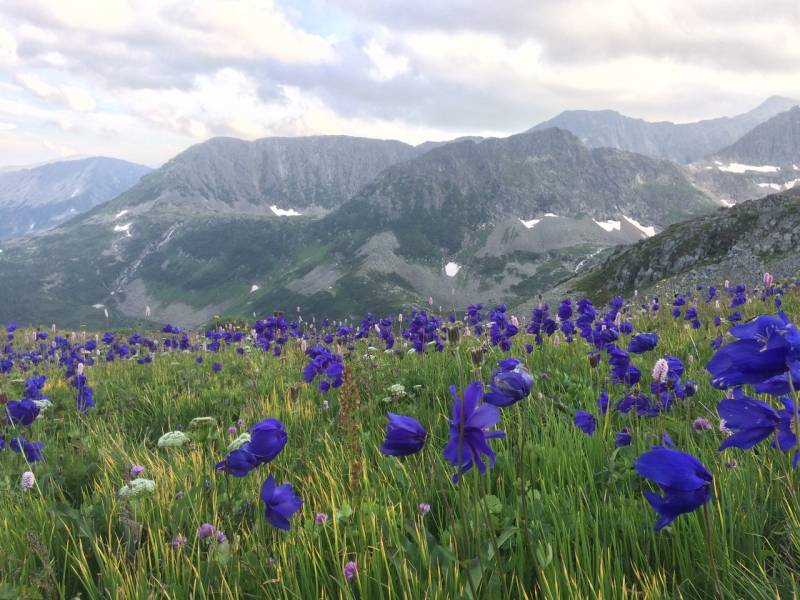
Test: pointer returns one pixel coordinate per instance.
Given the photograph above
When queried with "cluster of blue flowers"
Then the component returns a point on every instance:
(474, 414)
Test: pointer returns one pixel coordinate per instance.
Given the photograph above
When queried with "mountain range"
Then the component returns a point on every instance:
(680, 142)
(34, 199)
(338, 226)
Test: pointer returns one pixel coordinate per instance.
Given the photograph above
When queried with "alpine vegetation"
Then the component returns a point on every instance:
(472, 454)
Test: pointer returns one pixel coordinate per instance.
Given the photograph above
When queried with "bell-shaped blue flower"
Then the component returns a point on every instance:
(509, 384)
(685, 481)
(404, 436)
(280, 503)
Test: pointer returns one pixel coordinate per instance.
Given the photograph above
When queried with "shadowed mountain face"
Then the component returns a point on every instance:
(39, 198)
(680, 142)
(466, 221)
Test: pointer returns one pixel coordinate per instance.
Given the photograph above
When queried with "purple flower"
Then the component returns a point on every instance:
(701, 424)
(216, 367)
(350, 570)
(179, 541)
(424, 508)
(602, 402)
(280, 503)
(321, 518)
(469, 431)
(136, 470)
(404, 436)
(205, 531)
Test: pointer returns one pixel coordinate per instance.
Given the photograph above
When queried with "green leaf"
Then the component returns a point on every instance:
(544, 554)
(344, 512)
(493, 504)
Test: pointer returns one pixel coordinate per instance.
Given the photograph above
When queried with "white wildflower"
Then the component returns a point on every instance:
(173, 439)
(137, 487)
(240, 441)
(27, 481)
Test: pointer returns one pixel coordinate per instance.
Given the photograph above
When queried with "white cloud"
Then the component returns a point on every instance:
(159, 75)
(61, 151)
(247, 28)
(8, 48)
(74, 97)
(386, 64)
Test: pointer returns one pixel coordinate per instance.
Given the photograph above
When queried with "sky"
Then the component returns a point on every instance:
(143, 80)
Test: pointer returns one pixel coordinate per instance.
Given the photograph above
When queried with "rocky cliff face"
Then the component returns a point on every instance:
(306, 175)
(737, 243)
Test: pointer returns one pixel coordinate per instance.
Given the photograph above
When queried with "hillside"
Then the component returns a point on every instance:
(737, 244)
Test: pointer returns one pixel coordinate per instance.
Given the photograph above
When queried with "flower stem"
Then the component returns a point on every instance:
(710, 553)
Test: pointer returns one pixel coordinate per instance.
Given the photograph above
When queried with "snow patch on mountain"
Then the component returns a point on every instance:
(609, 225)
(742, 168)
(451, 269)
(281, 212)
(648, 230)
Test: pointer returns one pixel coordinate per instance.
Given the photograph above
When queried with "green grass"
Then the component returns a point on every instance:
(561, 515)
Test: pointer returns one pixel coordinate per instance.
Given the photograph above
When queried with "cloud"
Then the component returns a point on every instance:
(74, 97)
(159, 75)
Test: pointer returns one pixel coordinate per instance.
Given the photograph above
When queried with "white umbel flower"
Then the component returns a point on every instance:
(137, 487)
(173, 439)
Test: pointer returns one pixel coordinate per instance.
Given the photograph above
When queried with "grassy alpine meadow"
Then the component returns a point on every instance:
(164, 456)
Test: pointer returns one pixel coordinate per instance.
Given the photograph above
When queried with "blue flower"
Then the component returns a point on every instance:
(509, 384)
(623, 438)
(766, 347)
(31, 450)
(324, 363)
(642, 342)
(468, 431)
(267, 439)
(280, 503)
(22, 412)
(786, 437)
(239, 462)
(585, 422)
(602, 402)
(686, 483)
(752, 421)
(404, 436)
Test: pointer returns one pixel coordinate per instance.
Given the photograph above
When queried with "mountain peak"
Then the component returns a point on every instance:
(680, 142)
